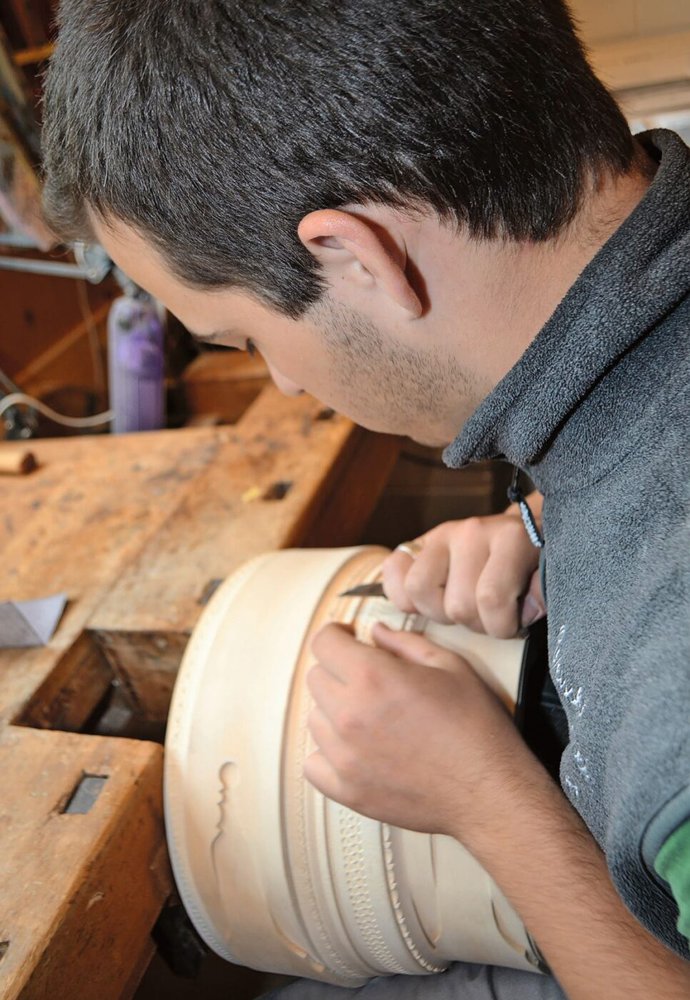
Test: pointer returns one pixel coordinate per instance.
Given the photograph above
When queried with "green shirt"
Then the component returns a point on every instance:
(673, 864)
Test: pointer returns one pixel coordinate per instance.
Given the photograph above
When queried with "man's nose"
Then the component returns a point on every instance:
(286, 385)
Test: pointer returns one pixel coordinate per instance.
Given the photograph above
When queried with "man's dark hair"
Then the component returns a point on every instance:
(214, 126)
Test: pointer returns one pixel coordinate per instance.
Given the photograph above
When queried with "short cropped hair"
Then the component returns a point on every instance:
(214, 126)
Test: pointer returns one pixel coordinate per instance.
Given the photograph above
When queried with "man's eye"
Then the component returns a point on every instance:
(250, 348)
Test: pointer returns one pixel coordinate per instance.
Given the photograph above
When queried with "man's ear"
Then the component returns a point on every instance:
(352, 249)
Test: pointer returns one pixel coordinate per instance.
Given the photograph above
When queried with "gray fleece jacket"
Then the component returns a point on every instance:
(597, 412)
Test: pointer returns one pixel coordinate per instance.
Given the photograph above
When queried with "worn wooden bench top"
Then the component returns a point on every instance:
(137, 530)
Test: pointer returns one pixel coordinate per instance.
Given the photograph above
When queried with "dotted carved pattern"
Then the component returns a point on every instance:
(350, 825)
(389, 860)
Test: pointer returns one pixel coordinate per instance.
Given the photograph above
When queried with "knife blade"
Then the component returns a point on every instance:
(364, 590)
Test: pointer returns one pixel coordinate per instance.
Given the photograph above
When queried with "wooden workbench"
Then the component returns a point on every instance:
(137, 530)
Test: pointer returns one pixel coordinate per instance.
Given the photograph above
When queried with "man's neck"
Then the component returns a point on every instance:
(500, 294)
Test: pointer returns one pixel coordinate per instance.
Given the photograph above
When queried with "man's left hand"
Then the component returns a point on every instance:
(409, 734)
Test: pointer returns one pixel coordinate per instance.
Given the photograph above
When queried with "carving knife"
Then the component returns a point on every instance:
(411, 549)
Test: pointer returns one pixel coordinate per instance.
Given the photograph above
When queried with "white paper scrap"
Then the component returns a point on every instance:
(30, 623)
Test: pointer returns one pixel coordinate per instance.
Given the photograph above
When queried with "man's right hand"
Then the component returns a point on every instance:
(482, 572)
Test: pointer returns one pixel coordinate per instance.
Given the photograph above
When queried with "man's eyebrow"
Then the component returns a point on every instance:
(214, 335)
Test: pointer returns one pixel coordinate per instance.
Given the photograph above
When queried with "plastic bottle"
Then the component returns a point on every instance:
(136, 364)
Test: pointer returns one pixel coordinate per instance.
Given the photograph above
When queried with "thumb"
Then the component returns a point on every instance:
(416, 648)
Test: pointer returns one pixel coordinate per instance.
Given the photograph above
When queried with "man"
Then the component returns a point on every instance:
(433, 217)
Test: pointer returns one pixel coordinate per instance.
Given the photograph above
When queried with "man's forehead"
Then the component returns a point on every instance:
(202, 311)
(126, 245)
(142, 262)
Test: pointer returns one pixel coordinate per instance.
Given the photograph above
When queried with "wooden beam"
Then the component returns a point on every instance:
(82, 885)
(39, 53)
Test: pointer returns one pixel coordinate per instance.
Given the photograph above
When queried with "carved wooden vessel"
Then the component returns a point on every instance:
(274, 875)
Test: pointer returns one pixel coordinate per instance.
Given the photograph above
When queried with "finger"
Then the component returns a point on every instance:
(533, 605)
(395, 569)
(460, 595)
(426, 579)
(321, 730)
(319, 772)
(502, 584)
(337, 650)
(326, 689)
(416, 648)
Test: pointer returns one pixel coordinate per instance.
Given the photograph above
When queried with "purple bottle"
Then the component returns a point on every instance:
(135, 364)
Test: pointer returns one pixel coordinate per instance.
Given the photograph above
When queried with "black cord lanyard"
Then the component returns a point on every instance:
(515, 495)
